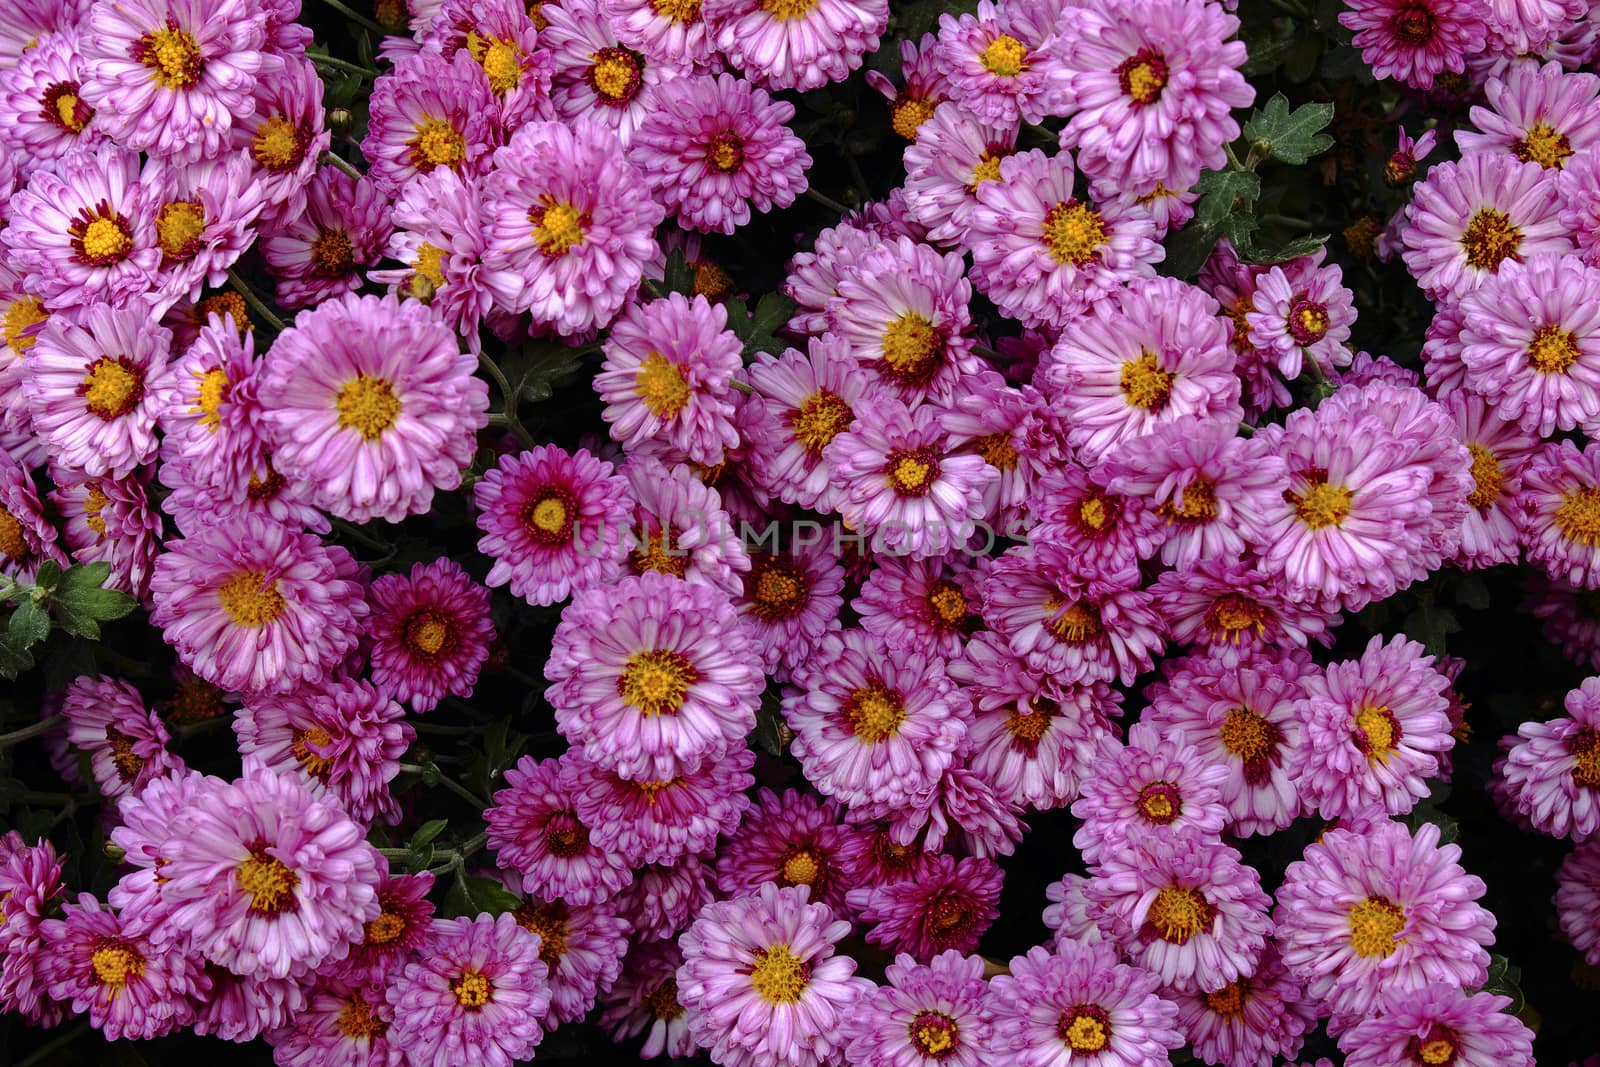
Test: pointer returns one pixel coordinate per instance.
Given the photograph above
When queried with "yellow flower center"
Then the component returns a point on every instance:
(557, 226)
(874, 712)
(909, 474)
(1228, 1001)
(908, 113)
(934, 1034)
(332, 254)
(997, 451)
(1247, 734)
(429, 263)
(725, 153)
(357, 1021)
(615, 75)
(173, 56)
(500, 64)
(1197, 503)
(677, 10)
(127, 762)
(94, 502)
(436, 143)
(1545, 145)
(473, 990)
(277, 144)
(1160, 802)
(66, 108)
(662, 1001)
(661, 385)
(1375, 926)
(987, 169)
(1489, 239)
(1005, 56)
(223, 305)
(1143, 76)
(1178, 914)
(1552, 350)
(178, 228)
(775, 587)
(549, 921)
(1077, 622)
(549, 517)
(1074, 232)
(1144, 383)
(209, 397)
(385, 928)
(305, 748)
(1028, 725)
(112, 388)
(1092, 513)
(800, 867)
(786, 10)
(269, 883)
(427, 632)
(912, 345)
(657, 681)
(1232, 616)
(1487, 477)
(105, 240)
(948, 602)
(659, 552)
(1584, 748)
(778, 975)
(1321, 504)
(12, 546)
(1376, 732)
(1578, 517)
(115, 965)
(820, 418)
(250, 599)
(367, 405)
(1085, 1028)
(1440, 1050)
(22, 313)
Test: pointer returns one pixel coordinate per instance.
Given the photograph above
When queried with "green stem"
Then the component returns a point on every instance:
(356, 533)
(1247, 430)
(1286, 220)
(44, 1051)
(989, 354)
(449, 783)
(743, 387)
(514, 425)
(827, 201)
(197, 729)
(423, 727)
(508, 401)
(257, 305)
(43, 726)
(357, 17)
(332, 160)
(344, 65)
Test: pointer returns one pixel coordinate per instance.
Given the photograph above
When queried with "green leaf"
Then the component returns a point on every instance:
(1432, 625)
(80, 605)
(49, 574)
(1188, 249)
(1290, 136)
(1268, 47)
(470, 896)
(758, 329)
(770, 727)
(428, 831)
(535, 369)
(13, 660)
(678, 278)
(1225, 192)
(1505, 981)
(1300, 246)
(29, 625)
(1471, 592)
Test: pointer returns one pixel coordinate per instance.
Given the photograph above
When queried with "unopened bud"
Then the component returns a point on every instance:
(418, 287)
(340, 120)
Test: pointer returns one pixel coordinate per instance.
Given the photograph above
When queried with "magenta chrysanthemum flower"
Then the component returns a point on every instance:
(109, 520)
(1155, 787)
(792, 839)
(1387, 911)
(1466, 219)
(430, 633)
(440, 240)
(553, 522)
(789, 601)
(1041, 254)
(285, 134)
(596, 79)
(645, 1001)
(1001, 63)
(1559, 509)
(429, 113)
(106, 966)
(403, 929)
(345, 737)
(1570, 618)
(1242, 717)
(1538, 113)
(1579, 186)
(924, 89)
(1530, 339)
(42, 111)
(713, 148)
(1413, 41)
(1153, 92)
(659, 822)
(947, 907)
(341, 1023)
(965, 809)
(1018, 434)
(953, 155)
(267, 879)
(1184, 907)
(318, 252)
(205, 215)
(1500, 450)
(582, 948)
(147, 825)
(1441, 1023)
(1231, 610)
(569, 225)
(372, 403)
(813, 276)
(535, 828)
(795, 44)
(1376, 729)
(480, 995)
(1156, 353)
(30, 882)
(874, 724)
(208, 410)
(760, 980)
(243, 1009)
(503, 43)
(1076, 626)
(652, 676)
(1069, 915)
(926, 605)
(125, 742)
(1297, 319)
(1577, 899)
(927, 1015)
(168, 76)
(904, 488)
(1078, 1005)
(84, 232)
(255, 606)
(673, 33)
(26, 537)
(1553, 773)
(1106, 532)
(663, 900)
(667, 376)
(1251, 1020)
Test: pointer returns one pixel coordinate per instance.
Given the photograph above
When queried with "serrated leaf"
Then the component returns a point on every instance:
(469, 896)
(1290, 136)
(29, 625)
(770, 728)
(1432, 625)
(534, 370)
(80, 604)
(1188, 249)
(428, 831)
(48, 575)
(1268, 47)
(1225, 192)
(13, 660)
(1300, 246)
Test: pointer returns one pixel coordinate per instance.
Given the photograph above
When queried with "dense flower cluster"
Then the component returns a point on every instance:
(999, 514)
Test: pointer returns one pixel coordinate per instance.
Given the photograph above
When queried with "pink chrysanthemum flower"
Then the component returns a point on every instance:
(790, 600)
(1553, 773)
(659, 822)
(194, 503)
(1387, 911)
(1577, 899)
(1074, 626)
(652, 676)
(1570, 617)
(1156, 787)
(342, 1024)
(267, 879)
(927, 1015)
(108, 967)
(479, 996)
(109, 520)
(372, 402)
(924, 605)
(167, 77)
(1080, 1006)
(285, 134)
(147, 821)
(429, 113)
(83, 231)
(667, 376)
(1538, 113)
(430, 633)
(947, 907)
(1184, 907)
(126, 743)
(91, 388)
(1153, 355)
(254, 606)
(24, 26)
(1414, 41)
(1376, 728)
(403, 929)
(954, 154)
(1041, 254)
(796, 44)
(1579, 186)
(672, 33)
(1441, 1023)
(760, 980)
(663, 900)
(1002, 64)
(569, 225)
(1500, 451)
(343, 737)
(318, 252)
(1230, 610)
(1530, 339)
(803, 401)
(1105, 532)
(553, 522)
(1017, 433)
(874, 724)
(440, 240)
(1241, 717)
(535, 828)
(205, 214)
(30, 882)
(1309, 318)
(42, 111)
(1153, 93)
(925, 88)
(813, 276)
(1559, 512)
(503, 43)
(964, 809)
(582, 948)
(27, 538)
(902, 310)
(645, 1001)
(596, 79)
(792, 839)
(1249, 1021)
(903, 486)
(1069, 915)
(713, 148)
(208, 409)
(1466, 219)
(243, 1009)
